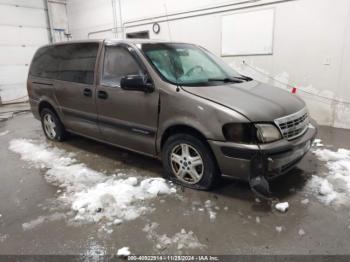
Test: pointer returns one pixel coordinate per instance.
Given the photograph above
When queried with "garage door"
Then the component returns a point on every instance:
(23, 28)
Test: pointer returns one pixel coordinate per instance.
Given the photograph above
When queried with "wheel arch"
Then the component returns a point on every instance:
(185, 129)
(178, 129)
(46, 104)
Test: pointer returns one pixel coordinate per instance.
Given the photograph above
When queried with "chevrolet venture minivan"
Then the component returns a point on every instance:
(172, 101)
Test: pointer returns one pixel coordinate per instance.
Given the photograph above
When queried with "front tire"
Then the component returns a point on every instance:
(52, 126)
(188, 161)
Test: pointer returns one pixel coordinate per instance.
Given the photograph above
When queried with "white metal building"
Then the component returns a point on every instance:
(288, 43)
(23, 27)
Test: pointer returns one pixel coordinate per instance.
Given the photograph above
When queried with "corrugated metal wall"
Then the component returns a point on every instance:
(23, 28)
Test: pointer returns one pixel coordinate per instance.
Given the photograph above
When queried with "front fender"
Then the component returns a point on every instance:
(205, 116)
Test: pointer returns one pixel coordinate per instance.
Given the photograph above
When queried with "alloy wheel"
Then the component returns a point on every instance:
(187, 163)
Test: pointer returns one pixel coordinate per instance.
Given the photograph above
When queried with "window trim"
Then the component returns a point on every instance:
(133, 54)
(48, 48)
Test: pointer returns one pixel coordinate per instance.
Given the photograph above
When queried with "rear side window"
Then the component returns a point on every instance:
(45, 63)
(71, 62)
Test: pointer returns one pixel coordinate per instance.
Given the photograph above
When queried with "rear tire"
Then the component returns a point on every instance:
(52, 126)
(188, 161)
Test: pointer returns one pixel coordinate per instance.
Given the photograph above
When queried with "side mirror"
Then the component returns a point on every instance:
(136, 83)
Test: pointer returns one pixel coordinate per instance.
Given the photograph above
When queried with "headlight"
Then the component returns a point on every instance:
(267, 133)
(240, 133)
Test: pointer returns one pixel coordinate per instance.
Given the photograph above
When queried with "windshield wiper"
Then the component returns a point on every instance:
(245, 78)
(225, 80)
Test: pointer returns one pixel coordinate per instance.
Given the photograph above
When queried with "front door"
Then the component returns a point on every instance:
(126, 118)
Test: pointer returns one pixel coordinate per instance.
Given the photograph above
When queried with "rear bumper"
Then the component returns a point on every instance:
(34, 106)
(279, 157)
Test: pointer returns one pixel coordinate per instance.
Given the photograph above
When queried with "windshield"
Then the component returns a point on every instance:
(186, 64)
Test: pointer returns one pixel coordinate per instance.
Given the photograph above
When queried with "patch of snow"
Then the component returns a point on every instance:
(328, 155)
(332, 187)
(225, 208)
(305, 201)
(93, 196)
(257, 200)
(282, 207)
(179, 241)
(123, 252)
(117, 221)
(317, 141)
(42, 219)
(3, 237)
(94, 251)
(301, 232)
(4, 133)
(212, 215)
(209, 207)
(278, 229)
(323, 190)
(311, 126)
(257, 219)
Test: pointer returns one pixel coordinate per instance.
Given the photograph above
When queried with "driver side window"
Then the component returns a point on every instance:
(118, 62)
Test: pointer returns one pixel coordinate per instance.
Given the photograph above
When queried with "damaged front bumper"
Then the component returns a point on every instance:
(242, 161)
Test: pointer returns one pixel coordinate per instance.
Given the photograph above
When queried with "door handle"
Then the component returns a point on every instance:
(102, 95)
(87, 92)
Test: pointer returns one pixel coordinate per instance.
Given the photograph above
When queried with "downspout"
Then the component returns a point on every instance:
(115, 23)
(121, 19)
(49, 15)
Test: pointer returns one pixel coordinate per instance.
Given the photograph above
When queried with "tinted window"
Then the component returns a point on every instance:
(45, 63)
(77, 62)
(71, 62)
(118, 62)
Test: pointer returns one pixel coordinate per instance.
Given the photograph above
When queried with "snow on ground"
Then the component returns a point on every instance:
(333, 187)
(42, 219)
(94, 196)
(305, 201)
(282, 207)
(279, 229)
(94, 251)
(124, 251)
(3, 237)
(4, 133)
(301, 232)
(317, 143)
(179, 241)
(209, 206)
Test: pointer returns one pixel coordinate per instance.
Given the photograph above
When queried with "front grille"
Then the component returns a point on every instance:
(293, 125)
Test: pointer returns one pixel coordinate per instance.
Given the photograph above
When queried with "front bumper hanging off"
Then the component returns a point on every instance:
(275, 158)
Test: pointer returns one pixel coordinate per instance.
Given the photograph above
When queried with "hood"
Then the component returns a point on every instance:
(255, 100)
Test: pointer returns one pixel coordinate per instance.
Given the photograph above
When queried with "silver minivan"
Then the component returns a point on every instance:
(172, 101)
